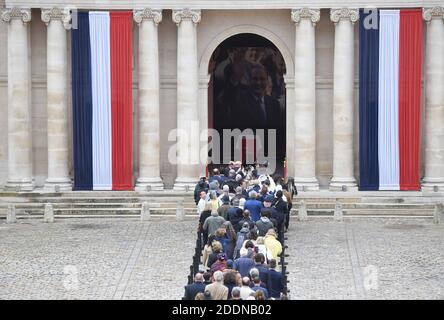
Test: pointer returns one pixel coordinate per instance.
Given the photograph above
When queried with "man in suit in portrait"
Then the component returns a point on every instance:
(256, 109)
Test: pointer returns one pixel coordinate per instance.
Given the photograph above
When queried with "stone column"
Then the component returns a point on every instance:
(149, 115)
(291, 130)
(187, 102)
(305, 99)
(19, 108)
(343, 99)
(434, 94)
(57, 21)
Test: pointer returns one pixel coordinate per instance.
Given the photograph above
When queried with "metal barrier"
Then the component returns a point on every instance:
(283, 265)
(194, 268)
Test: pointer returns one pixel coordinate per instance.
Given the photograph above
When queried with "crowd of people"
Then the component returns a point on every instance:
(243, 215)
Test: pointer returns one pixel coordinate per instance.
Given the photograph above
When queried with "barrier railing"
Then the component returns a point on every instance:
(194, 267)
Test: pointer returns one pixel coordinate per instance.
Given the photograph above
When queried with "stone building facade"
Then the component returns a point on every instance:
(173, 41)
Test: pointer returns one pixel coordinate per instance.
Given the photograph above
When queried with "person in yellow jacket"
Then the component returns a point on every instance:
(272, 244)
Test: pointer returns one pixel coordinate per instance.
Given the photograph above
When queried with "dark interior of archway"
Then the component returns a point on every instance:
(247, 91)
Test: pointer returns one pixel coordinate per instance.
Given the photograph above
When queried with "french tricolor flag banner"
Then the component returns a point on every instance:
(390, 58)
(102, 101)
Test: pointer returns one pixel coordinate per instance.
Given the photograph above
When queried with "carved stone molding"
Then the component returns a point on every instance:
(344, 13)
(148, 14)
(63, 15)
(16, 13)
(186, 14)
(306, 13)
(432, 13)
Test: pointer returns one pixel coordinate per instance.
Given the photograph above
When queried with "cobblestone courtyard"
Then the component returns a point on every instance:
(129, 259)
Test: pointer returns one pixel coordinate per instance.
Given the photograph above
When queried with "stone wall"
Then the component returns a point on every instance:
(213, 22)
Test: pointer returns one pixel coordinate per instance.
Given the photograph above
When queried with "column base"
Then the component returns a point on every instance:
(306, 184)
(61, 184)
(185, 184)
(149, 184)
(432, 185)
(336, 184)
(20, 185)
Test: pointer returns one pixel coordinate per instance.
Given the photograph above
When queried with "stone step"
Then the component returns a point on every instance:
(371, 205)
(96, 200)
(369, 212)
(133, 216)
(97, 205)
(97, 211)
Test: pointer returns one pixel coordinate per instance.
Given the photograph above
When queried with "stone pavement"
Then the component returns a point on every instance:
(123, 258)
(95, 259)
(366, 258)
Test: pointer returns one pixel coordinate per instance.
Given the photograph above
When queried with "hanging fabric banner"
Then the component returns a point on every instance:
(82, 104)
(388, 146)
(410, 48)
(102, 101)
(390, 114)
(368, 105)
(121, 99)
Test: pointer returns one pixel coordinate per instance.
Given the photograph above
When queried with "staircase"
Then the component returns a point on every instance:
(164, 203)
(370, 203)
(97, 204)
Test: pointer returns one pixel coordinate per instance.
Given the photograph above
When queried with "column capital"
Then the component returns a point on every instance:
(337, 14)
(433, 13)
(23, 14)
(186, 15)
(147, 14)
(64, 15)
(314, 15)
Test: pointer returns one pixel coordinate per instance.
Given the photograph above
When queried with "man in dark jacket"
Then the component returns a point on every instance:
(264, 224)
(271, 212)
(202, 185)
(280, 212)
(223, 209)
(259, 260)
(244, 264)
(275, 281)
(235, 215)
(192, 289)
(247, 218)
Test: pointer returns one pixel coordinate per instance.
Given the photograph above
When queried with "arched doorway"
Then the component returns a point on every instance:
(247, 93)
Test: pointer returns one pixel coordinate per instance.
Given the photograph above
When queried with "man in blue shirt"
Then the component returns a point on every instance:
(254, 206)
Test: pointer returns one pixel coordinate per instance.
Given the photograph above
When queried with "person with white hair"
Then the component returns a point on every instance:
(193, 289)
(245, 290)
(254, 206)
(225, 192)
(236, 294)
(237, 194)
(261, 248)
(217, 289)
(244, 264)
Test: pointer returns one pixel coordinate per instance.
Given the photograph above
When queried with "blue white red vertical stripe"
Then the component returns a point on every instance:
(102, 101)
(389, 100)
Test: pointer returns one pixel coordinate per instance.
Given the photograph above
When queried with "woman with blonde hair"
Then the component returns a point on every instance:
(208, 250)
(214, 201)
(261, 248)
(212, 258)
